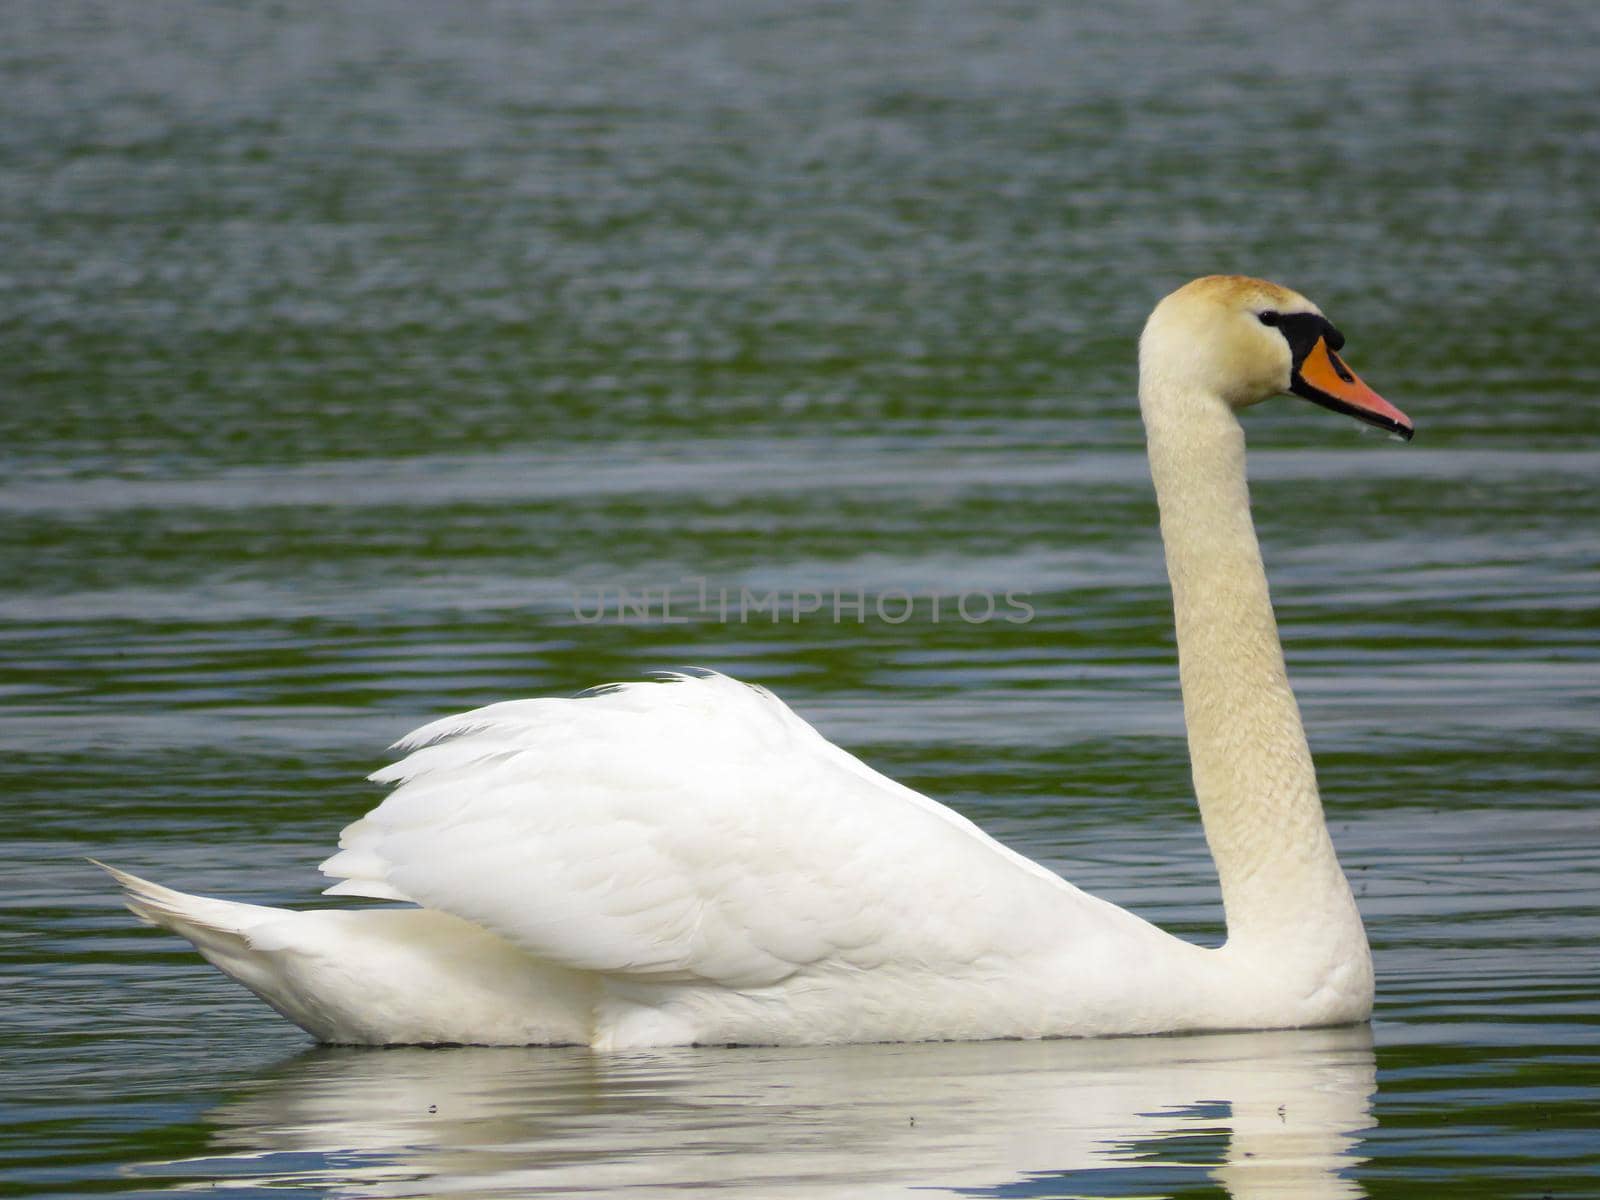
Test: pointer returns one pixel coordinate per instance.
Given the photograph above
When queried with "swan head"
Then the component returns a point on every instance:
(1247, 339)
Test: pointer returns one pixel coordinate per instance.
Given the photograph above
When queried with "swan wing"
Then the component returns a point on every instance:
(694, 828)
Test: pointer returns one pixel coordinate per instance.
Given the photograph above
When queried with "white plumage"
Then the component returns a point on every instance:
(726, 871)
(693, 829)
(687, 861)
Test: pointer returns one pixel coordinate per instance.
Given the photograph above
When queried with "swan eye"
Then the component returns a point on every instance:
(1268, 318)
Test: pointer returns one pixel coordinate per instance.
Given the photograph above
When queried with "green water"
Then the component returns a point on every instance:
(343, 348)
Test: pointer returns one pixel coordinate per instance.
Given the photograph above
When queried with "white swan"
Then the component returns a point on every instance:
(687, 861)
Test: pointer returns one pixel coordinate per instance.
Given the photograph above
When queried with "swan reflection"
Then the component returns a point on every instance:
(1262, 1114)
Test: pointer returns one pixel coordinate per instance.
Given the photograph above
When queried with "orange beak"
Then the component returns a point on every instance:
(1323, 379)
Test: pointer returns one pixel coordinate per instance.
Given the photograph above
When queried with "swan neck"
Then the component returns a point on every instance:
(1252, 769)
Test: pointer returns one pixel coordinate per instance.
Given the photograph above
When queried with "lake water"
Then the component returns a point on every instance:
(346, 351)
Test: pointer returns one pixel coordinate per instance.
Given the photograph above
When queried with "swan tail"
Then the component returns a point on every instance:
(235, 938)
(375, 976)
(219, 929)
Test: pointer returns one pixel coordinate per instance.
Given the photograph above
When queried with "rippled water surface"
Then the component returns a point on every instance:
(354, 359)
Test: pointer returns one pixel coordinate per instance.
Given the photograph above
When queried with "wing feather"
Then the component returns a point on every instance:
(694, 828)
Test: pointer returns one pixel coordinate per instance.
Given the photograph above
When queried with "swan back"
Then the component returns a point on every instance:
(695, 846)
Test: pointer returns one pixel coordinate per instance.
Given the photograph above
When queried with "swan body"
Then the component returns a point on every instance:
(688, 861)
